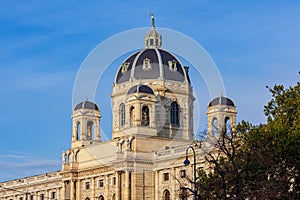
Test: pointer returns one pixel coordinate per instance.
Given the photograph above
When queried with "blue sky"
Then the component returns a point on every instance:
(43, 43)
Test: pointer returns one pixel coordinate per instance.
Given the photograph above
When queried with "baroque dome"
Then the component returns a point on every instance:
(86, 105)
(152, 62)
(221, 101)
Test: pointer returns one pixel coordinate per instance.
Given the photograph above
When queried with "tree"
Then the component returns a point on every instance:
(276, 145)
(259, 162)
(228, 164)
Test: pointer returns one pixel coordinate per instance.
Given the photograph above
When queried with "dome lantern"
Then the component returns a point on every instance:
(152, 39)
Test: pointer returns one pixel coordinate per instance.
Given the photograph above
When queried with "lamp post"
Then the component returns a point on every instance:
(187, 162)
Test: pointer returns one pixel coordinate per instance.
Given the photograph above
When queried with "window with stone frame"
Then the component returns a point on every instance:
(87, 185)
(101, 183)
(53, 195)
(166, 176)
(182, 173)
(151, 42)
(122, 115)
(174, 113)
(113, 181)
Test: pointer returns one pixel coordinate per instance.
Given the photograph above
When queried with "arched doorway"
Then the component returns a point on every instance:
(166, 195)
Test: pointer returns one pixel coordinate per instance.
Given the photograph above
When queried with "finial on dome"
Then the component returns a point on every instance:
(152, 38)
(152, 20)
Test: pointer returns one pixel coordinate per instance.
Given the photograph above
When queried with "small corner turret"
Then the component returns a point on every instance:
(85, 124)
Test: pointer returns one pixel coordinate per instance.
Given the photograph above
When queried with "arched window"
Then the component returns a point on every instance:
(174, 114)
(87, 198)
(183, 194)
(132, 115)
(122, 115)
(101, 198)
(215, 127)
(166, 195)
(227, 126)
(113, 197)
(90, 130)
(78, 130)
(145, 116)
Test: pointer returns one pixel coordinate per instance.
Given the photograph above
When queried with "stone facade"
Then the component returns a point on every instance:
(152, 106)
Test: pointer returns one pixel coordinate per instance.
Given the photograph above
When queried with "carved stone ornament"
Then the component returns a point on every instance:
(125, 66)
(172, 65)
(147, 64)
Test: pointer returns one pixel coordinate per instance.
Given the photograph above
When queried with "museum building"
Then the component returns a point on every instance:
(152, 126)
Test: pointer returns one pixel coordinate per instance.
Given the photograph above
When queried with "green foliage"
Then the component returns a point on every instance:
(259, 162)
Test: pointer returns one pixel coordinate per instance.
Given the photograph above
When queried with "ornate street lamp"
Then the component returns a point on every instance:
(187, 162)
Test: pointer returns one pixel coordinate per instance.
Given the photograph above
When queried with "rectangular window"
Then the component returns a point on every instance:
(113, 181)
(101, 183)
(151, 42)
(166, 176)
(31, 197)
(182, 174)
(87, 185)
(53, 195)
(42, 197)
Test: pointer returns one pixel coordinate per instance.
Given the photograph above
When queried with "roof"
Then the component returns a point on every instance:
(140, 88)
(152, 63)
(86, 105)
(221, 101)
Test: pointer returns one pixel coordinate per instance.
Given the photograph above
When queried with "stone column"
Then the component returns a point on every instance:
(138, 114)
(63, 191)
(106, 195)
(156, 185)
(127, 186)
(46, 194)
(117, 185)
(83, 130)
(74, 131)
(93, 187)
(78, 189)
(58, 194)
(173, 182)
(36, 195)
(97, 132)
(72, 190)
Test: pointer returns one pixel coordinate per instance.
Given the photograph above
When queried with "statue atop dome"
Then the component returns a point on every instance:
(152, 38)
(152, 19)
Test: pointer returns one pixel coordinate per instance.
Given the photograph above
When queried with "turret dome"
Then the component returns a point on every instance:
(140, 88)
(86, 105)
(221, 101)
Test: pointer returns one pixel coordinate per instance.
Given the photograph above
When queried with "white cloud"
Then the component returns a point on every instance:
(16, 165)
